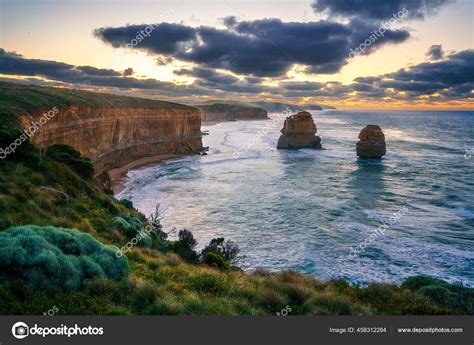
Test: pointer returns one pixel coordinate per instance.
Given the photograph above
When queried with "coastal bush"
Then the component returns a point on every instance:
(215, 260)
(132, 227)
(68, 155)
(456, 296)
(185, 245)
(437, 294)
(49, 258)
(207, 283)
(127, 203)
(228, 250)
(417, 282)
(144, 297)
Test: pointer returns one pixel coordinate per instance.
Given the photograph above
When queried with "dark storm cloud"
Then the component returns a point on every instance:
(208, 75)
(445, 80)
(435, 52)
(15, 64)
(300, 86)
(262, 48)
(378, 10)
(166, 36)
(452, 78)
(128, 71)
(456, 69)
(89, 70)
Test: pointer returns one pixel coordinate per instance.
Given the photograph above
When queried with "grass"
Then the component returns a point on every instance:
(175, 289)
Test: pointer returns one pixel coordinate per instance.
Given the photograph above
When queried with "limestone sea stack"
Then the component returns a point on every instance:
(371, 143)
(298, 132)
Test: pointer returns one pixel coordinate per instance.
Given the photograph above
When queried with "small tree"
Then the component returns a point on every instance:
(155, 222)
(228, 250)
(185, 245)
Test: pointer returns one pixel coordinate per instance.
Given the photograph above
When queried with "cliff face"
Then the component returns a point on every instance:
(114, 136)
(220, 112)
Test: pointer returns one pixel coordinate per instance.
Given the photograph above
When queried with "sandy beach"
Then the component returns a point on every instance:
(118, 176)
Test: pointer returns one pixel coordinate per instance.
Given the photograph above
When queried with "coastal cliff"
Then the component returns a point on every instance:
(112, 137)
(110, 130)
(219, 112)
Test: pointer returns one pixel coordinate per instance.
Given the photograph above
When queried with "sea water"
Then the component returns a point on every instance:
(306, 209)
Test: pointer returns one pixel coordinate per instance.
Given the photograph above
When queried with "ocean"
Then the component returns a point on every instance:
(317, 211)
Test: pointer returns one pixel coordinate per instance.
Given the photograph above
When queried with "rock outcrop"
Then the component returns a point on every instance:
(220, 112)
(299, 132)
(125, 130)
(372, 142)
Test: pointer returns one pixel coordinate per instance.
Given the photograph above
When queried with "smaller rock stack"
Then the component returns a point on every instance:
(371, 143)
(299, 132)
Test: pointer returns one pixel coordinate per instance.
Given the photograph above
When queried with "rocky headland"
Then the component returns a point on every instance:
(299, 131)
(371, 142)
(111, 130)
(220, 112)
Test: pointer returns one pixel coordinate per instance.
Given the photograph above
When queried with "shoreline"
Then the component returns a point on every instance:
(118, 176)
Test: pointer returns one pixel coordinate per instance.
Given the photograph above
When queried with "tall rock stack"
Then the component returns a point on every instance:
(299, 132)
(371, 143)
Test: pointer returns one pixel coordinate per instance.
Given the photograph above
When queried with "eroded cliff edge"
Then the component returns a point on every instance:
(220, 112)
(111, 130)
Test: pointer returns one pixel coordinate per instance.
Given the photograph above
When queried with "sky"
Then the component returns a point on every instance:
(364, 54)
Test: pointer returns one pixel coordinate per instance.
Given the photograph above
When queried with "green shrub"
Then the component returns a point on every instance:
(417, 282)
(437, 294)
(132, 227)
(127, 203)
(185, 245)
(215, 260)
(68, 155)
(228, 250)
(207, 283)
(144, 297)
(50, 258)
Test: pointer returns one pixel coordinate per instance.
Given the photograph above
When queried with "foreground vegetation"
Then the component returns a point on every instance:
(45, 263)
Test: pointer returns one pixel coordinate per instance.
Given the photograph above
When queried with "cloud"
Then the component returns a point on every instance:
(128, 71)
(378, 10)
(12, 63)
(443, 80)
(208, 74)
(446, 80)
(259, 48)
(435, 52)
(452, 78)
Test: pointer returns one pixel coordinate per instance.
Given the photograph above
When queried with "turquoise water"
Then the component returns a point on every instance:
(305, 209)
